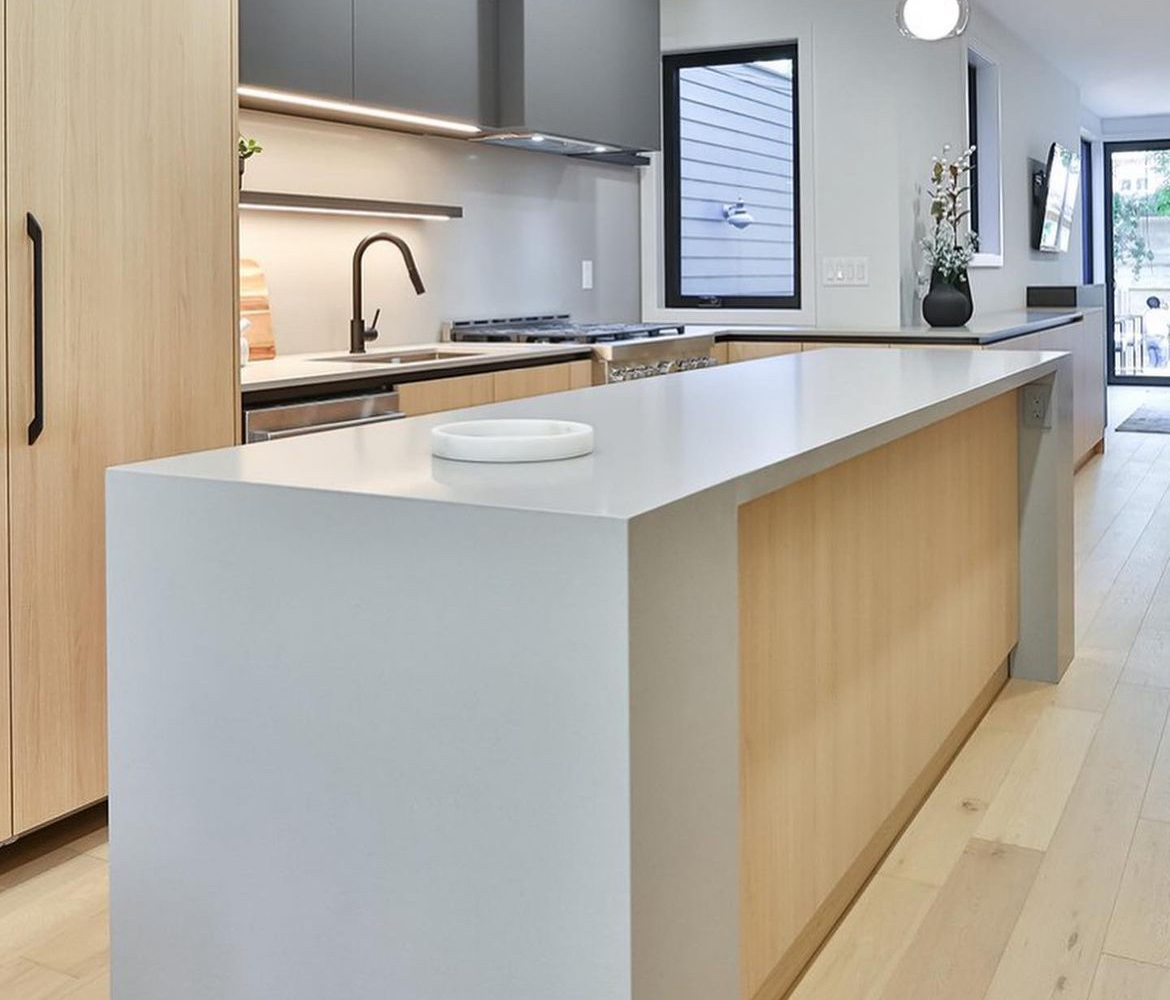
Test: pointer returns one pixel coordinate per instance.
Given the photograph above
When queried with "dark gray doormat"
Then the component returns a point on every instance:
(1150, 419)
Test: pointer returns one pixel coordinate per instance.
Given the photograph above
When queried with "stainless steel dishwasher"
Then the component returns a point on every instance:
(270, 423)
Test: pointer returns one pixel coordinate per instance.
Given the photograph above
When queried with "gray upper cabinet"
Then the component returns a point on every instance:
(299, 45)
(435, 57)
(586, 70)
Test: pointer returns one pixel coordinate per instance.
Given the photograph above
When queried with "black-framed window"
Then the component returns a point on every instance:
(732, 178)
(1088, 237)
(973, 139)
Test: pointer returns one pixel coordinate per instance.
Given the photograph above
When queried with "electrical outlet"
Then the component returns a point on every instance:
(587, 275)
(846, 272)
(1037, 401)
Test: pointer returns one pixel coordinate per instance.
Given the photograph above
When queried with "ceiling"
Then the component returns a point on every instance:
(1117, 50)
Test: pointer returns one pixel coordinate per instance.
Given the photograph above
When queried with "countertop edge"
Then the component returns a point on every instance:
(795, 468)
(401, 375)
(771, 469)
(904, 336)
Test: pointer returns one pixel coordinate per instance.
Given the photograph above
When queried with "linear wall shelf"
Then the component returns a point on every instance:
(312, 204)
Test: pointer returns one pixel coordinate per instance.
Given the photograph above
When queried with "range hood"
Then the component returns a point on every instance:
(559, 145)
(580, 79)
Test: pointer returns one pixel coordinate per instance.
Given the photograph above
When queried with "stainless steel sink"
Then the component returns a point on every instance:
(403, 357)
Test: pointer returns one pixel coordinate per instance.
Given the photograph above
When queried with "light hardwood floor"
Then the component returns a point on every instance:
(1038, 868)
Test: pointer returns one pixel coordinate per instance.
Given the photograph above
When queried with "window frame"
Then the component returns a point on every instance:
(1088, 223)
(672, 63)
(973, 140)
(984, 110)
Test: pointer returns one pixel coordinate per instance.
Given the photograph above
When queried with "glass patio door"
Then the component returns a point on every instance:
(1138, 251)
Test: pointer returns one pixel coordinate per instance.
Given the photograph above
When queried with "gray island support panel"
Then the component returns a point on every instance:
(388, 726)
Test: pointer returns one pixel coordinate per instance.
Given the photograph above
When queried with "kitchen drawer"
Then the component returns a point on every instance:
(524, 382)
(417, 398)
(753, 350)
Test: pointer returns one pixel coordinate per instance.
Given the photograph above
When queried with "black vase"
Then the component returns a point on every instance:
(948, 303)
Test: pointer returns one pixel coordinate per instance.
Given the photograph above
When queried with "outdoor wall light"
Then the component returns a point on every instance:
(737, 215)
(933, 20)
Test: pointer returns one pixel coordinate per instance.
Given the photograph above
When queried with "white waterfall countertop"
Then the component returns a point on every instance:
(658, 441)
(493, 713)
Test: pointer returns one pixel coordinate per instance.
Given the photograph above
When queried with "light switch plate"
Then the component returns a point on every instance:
(846, 272)
(587, 275)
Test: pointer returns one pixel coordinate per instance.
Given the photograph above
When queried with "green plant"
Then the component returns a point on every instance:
(1129, 240)
(948, 250)
(249, 148)
(1162, 200)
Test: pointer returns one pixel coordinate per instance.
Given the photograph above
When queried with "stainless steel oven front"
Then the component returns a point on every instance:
(632, 361)
(271, 423)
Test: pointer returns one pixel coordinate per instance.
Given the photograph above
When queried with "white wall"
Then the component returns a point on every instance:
(876, 107)
(1040, 106)
(1126, 129)
(530, 219)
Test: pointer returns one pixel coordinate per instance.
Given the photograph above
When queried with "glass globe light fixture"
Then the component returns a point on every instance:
(933, 20)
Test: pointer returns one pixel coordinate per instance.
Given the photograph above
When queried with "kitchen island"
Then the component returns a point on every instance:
(636, 725)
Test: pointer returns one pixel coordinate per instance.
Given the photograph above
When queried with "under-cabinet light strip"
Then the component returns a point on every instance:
(273, 201)
(342, 211)
(294, 100)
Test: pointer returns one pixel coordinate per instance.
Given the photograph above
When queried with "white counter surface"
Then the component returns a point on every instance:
(658, 441)
(325, 367)
(984, 328)
(466, 694)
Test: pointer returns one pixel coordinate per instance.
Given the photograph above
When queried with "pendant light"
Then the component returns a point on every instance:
(933, 20)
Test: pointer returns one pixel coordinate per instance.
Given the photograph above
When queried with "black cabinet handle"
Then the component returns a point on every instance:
(36, 234)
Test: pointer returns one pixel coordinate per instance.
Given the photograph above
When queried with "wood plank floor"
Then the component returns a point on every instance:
(1042, 859)
(1039, 867)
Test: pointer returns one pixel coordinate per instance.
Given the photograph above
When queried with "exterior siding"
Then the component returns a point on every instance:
(736, 141)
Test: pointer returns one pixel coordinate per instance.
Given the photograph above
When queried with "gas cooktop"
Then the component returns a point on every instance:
(558, 329)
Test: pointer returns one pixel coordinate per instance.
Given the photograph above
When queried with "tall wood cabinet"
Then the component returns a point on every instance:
(119, 191)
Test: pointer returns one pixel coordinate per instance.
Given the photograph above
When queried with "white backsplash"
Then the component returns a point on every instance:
(529, 222)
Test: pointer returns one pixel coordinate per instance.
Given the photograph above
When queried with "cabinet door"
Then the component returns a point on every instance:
(436, 57)
(522, 383)
(746, 350)
(138, 310)
(298, 45)
(606, 87)
(418, 398)
(828, 345)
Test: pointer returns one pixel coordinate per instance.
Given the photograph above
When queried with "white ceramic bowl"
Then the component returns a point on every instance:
(512, 440)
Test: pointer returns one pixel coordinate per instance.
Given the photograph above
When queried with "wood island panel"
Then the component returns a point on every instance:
(879, 602)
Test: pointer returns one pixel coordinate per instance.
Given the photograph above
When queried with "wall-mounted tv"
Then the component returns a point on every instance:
(1055, 190)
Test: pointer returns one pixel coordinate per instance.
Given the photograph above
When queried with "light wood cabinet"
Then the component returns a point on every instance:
(580, 374)
(122, 255)
(753, 350)
(418, 398)
(736, 351)
(520, 383)
(825, 345)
